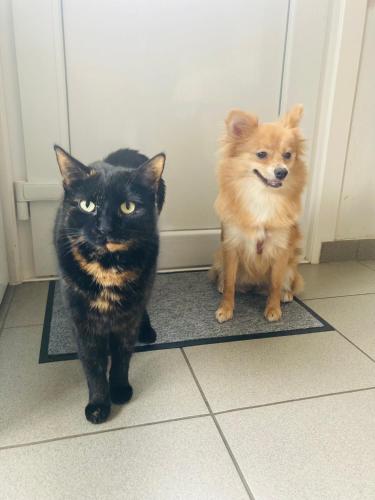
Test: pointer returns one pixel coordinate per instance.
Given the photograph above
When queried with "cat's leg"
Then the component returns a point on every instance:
(121, 351)
(147, 334)
(92, 350)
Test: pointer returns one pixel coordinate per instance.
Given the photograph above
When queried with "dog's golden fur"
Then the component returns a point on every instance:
(259, 213)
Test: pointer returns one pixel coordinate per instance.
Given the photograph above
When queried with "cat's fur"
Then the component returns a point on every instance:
(107, 264)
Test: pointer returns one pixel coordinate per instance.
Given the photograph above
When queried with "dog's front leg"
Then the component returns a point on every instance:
(278, 271)
(230, 266)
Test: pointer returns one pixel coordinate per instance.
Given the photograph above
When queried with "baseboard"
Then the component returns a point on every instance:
(179, 250)
(335, 251)
(187, 249)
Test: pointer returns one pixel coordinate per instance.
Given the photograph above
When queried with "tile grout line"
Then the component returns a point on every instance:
(355, 345)
(104, 431)
(226, 444)
(190, 417)
(362, 262)
(336, 296)
(296, 400)
(22, 326)
(340, 333)
(2, 327)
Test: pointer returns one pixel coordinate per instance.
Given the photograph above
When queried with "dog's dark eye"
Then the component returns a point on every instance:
(287, 155)
(262, 154)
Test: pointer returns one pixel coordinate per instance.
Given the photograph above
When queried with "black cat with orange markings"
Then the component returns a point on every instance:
(107, 242)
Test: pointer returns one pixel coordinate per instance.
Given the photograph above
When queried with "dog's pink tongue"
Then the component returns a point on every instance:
(275, 183)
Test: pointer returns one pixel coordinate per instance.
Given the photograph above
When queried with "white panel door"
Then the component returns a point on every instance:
(357, 208)
(161, 75)
(158, 75)
(152, 75)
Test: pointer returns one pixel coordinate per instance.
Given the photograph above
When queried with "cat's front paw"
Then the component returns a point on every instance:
(224, 313)
(272, 313)
(147, 335)
(97, 413)
(120, 394)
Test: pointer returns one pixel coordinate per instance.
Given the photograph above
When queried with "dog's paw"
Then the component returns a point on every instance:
(220, 286)
(272, 313)
(224, 313)
(287, 297)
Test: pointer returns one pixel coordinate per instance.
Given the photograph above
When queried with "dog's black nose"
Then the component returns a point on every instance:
(281, 173)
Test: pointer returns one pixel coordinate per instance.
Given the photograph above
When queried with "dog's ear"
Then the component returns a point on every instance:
(292, 118)
(240, 124)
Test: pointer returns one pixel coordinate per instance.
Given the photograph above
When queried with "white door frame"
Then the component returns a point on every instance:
(12, 160)
(344, 46)
(332, 126)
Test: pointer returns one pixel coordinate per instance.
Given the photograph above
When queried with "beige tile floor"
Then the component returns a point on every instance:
(283, 418)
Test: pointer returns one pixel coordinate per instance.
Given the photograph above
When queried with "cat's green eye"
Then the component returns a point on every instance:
(87, 206)
(127, 207)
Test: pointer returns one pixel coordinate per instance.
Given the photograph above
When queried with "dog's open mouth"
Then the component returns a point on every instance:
(275, 183)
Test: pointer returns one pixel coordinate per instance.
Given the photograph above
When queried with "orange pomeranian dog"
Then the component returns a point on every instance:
(261, 178)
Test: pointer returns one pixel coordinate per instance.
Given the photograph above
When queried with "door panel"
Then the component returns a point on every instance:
(356, 218)
(161, 75)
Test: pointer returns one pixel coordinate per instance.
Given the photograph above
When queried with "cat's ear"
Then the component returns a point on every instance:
(70, 168)
(292, 118)
(151, 171)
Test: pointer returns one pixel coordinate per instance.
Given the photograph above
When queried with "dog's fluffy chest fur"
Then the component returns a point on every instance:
(260, 204)
(263, 225)
(259, 244)
(261, 176)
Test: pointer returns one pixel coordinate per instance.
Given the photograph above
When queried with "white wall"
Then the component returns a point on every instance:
(356, 218)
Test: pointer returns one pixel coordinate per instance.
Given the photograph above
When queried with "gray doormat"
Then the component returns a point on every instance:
(182, 311)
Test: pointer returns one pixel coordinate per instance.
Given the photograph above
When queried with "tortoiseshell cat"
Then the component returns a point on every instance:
(107, 242)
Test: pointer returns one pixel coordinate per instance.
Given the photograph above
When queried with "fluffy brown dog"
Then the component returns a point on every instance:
(261, 178)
